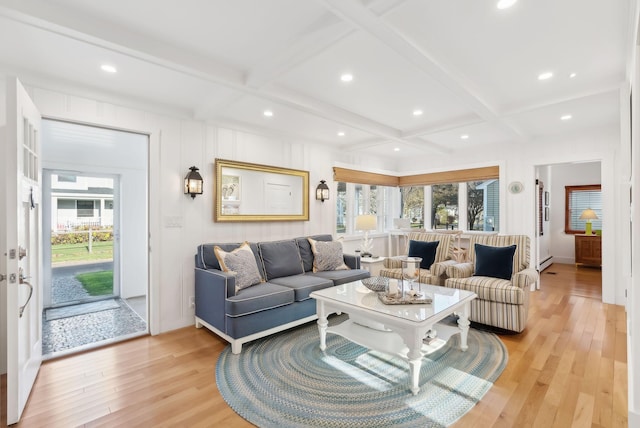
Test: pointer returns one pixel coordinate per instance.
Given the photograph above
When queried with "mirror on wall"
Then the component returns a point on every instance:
(252, 192)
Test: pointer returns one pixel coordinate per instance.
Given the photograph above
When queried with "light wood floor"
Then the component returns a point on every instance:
(568, 368)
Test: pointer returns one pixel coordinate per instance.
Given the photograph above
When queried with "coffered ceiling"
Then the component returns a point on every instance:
(471, 69)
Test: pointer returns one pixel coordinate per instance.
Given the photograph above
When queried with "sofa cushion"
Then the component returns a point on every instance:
(327, 256)
(488, 288)
(425, 250)
(206, 256)
(305, 249)
(260, 297)
(342, 276)
(242, 263)
(495, 262)
(303, 284)
(280, 258)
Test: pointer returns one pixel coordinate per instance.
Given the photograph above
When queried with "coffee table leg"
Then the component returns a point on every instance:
(414, 342)
(463, 323)
(322, 324)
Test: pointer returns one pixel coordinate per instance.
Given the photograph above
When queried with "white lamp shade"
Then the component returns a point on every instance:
(366, 222)
(588, 214)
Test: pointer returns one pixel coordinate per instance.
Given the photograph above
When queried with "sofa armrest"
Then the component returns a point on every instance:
(460, 270)
(525, 278)
(212, 287)
(393, 262)
(440, 268)
(352, 261)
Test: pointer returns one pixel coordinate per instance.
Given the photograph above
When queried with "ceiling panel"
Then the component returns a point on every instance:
(68, 59)
(386, 87)
(500, 53)
(239, 33)
(250, 110)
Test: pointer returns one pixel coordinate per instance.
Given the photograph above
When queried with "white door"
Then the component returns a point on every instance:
(21, 247)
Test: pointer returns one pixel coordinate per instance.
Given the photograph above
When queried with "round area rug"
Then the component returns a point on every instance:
(285, 380)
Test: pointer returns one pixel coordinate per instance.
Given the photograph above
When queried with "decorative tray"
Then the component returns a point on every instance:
(403, 300)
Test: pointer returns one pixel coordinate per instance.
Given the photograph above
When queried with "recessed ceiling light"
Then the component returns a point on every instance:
(268, 113)
(346, 77)
(340, 134)
(417, 112)
(545, 75)
(108, 68)
(566, 117)
(464, 136)
(505, 4)
(396, 149)
(572, 75)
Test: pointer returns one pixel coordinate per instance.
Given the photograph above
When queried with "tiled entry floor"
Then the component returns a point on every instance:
(77, 333)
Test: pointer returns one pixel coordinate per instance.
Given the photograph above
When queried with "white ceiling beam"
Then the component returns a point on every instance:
(354, 12)
(556, 101)
(442, 127)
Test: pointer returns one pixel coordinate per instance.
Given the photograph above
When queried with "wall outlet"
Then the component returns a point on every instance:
(192, 302)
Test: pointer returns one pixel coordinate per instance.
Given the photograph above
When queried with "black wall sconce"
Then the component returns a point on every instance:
(193, 183)
(322, 191)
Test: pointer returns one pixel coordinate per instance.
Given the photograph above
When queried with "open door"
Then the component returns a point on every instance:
(21, 246)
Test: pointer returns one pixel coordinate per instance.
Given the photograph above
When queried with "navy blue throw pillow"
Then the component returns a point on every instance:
(425, 250)
(495, 262)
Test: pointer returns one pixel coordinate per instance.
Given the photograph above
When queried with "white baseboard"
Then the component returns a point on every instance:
(546, 263)
(634, 419)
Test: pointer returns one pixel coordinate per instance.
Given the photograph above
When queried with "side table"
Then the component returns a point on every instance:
(372, 264)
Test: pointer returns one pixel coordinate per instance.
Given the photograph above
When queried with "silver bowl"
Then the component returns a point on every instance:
(376, 283)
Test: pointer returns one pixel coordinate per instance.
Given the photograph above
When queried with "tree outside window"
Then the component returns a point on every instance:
(444, 208)
(412, 202)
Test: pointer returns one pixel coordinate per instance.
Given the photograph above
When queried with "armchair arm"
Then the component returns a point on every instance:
(352, 261)
(393, 262)
(440, 268)
(525, 278)
(460, 270)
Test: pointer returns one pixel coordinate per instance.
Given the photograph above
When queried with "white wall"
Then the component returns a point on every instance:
(562, 244)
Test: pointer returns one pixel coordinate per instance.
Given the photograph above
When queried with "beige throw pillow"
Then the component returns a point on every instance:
(327, 255)
(242, 263)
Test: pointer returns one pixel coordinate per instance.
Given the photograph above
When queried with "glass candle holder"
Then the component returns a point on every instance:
(410, 269)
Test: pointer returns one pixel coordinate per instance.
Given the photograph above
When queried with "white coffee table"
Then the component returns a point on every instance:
(394, 329)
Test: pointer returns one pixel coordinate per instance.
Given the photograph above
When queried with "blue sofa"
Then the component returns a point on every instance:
(280, 302)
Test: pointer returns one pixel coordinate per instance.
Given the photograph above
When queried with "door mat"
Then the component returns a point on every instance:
(81, 309)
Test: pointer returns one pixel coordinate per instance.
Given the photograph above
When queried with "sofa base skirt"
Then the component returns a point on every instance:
(501, 315)
(246, 328)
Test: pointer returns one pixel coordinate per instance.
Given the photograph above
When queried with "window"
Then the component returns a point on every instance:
(67, 179)
(412, 202)
(84, 208)
(578, 199)
(483, 205)
(430, 201)
(444, 206)
(356, 199)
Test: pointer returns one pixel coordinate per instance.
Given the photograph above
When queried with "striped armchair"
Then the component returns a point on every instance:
(501, 303)
(434, 275)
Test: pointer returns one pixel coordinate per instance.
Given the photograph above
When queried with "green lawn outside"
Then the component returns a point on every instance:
(80, 252)
(97, 283)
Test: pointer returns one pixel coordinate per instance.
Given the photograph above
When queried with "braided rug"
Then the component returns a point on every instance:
(285, 380)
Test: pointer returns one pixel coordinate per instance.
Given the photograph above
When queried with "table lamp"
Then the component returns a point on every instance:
(588, 215)
(366, 222)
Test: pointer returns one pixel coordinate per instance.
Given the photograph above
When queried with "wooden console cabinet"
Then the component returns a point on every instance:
(589, 250)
